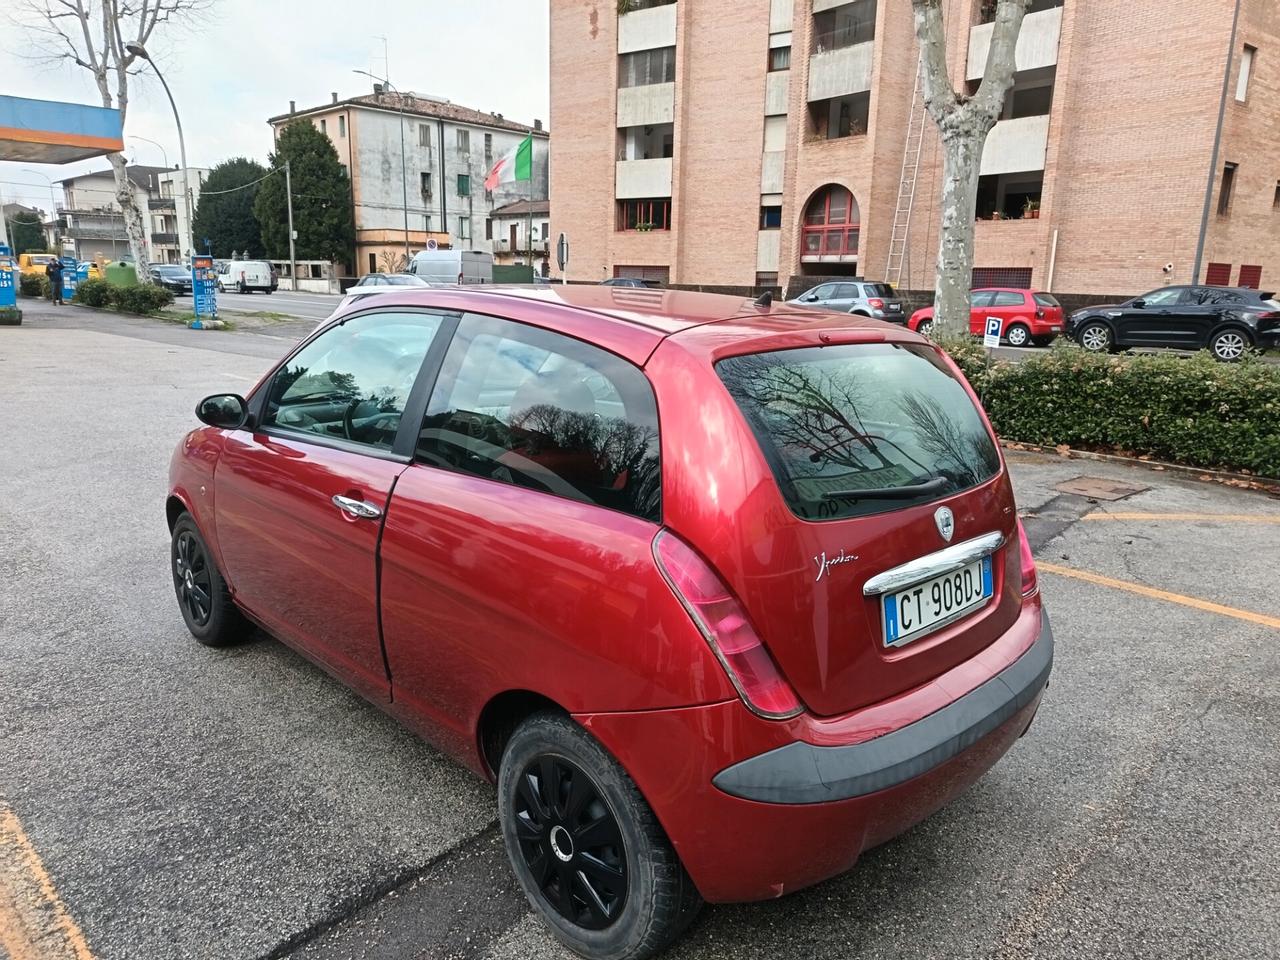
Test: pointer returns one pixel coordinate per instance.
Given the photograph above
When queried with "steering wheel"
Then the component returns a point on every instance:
(388, 420)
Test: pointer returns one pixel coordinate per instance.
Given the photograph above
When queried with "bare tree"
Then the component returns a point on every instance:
(94, 35)
(963, 124)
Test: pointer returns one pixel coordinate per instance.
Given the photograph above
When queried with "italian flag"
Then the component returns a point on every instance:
(515, 164)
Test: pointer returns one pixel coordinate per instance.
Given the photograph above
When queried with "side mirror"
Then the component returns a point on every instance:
(226, 411)
(811, 298)
(1138, 304)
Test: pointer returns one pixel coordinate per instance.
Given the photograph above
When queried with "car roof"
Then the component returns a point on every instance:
(628, 321)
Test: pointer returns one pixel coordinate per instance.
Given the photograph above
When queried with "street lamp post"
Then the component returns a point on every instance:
(404, 168)
(138, 50)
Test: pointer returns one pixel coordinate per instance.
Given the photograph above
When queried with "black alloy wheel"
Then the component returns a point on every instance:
(571, 843)
(192, 578)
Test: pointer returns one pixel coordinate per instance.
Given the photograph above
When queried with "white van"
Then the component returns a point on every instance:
(453, 266)
(245, 276)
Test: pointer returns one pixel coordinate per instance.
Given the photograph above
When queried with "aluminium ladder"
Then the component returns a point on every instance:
(906, 186)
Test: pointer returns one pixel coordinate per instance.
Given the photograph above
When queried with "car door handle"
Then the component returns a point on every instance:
(360, 509)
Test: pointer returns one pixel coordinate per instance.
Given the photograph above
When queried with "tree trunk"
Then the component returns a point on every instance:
(134, 227)
(961, 163)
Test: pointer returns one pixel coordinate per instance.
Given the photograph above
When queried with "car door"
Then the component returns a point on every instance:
(1160, 321)
(299, 498)
(979, 310)
(1206, 310)
(845, 296)
(534, 491)
(1008, 305)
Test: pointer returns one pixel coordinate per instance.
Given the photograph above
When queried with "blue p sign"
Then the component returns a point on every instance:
(991, 338)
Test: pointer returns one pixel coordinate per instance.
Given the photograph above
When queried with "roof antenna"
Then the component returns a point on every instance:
(765, 299)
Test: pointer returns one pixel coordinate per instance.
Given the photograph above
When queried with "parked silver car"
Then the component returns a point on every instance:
(861, 297)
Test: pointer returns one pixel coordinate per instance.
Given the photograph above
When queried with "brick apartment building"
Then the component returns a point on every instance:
(768, 142)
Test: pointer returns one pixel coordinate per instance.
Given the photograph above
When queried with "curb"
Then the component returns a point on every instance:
(1269, 484)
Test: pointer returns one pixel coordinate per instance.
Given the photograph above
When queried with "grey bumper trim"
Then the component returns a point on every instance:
(804, 773)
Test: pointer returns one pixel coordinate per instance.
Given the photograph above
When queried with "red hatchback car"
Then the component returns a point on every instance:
(1026, 316)
(720, 594)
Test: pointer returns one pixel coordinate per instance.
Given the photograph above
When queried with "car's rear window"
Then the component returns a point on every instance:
(878, 290)
(1047, 300)
(834, 421)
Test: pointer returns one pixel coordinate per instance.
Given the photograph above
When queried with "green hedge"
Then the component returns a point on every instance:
(34, 285)
(93, 293)
(1189, 410)
(140, 299)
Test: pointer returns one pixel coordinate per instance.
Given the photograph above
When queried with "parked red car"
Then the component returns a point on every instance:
(721, 594)
(1027, 316)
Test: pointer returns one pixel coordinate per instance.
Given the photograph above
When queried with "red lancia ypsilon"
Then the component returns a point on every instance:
(720, 593)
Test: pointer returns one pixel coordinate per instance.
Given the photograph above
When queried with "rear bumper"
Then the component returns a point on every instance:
(757, 808)
(805, 773)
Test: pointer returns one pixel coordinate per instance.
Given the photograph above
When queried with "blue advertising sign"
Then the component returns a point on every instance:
(8, 288)
(204, 286)
(69, 266)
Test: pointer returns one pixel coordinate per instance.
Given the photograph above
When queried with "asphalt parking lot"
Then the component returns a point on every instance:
(160, 799)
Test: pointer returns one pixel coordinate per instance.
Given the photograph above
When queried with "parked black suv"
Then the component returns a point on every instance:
(1228, 321)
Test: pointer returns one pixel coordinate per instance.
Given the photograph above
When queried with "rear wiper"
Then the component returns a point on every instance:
(922, 489)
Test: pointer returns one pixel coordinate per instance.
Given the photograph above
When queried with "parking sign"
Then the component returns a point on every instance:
(991, 339)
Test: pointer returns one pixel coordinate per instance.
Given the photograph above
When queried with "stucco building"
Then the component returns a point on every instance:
(92, 226)
(448, 150)
(774, 141)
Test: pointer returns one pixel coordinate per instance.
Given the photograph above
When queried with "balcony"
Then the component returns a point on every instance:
(1037, 43)
(504, 245)
(830, 244)
(647, 28)
(772, 165)
(165, 239)
(100, 231)
(636, 179)
(647, 105)
(840, 72)
(162, 204)
(1016, 146)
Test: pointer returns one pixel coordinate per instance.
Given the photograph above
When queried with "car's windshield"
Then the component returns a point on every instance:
(170, 271)
(401, 280)
(835, 420)
(1166, 296)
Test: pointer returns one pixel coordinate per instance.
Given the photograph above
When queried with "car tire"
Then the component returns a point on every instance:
(628, 894)
(1096, 337)
(1230, 345)
(925, 327)
(1018, 335)
(203, 597)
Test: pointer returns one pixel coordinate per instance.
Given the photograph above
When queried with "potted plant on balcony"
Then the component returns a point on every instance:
(1031, 210)
(644, 226)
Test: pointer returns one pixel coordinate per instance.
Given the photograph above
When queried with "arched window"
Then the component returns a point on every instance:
(831, 222)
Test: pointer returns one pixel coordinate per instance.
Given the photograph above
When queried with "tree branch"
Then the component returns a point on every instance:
(939, 96)
(997, 78)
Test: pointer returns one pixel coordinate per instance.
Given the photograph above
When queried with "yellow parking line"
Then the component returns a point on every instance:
(1247, 615)
(1186, 517)
(34, 922)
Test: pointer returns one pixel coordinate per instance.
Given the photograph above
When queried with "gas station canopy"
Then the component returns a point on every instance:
(46, 131)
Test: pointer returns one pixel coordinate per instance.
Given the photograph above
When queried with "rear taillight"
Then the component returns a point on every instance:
(1030, 580)
(877, 303)
(723, 622)
(1273, 315)
(1039, 313)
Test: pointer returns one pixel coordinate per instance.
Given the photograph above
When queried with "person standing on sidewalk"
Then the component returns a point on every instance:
(54, 273)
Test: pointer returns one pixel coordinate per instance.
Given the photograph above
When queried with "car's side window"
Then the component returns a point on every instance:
(535, 409)
(1166, 297)
(825, 292)
(1007, 298)
(846, 291)
(983, 298)
(352, 381)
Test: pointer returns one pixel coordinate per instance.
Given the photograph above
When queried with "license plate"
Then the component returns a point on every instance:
(895, 308)
(1056, 329)
(919, 610)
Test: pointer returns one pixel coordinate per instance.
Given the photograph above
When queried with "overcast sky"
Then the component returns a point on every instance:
(247, 59)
